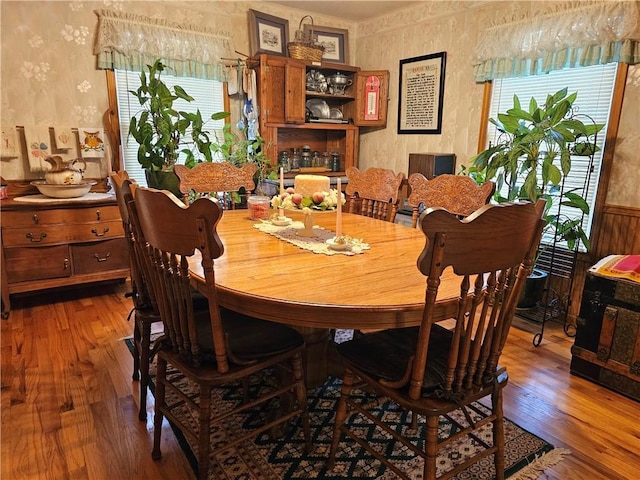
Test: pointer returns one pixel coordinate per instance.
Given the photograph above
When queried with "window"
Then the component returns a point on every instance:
(594, 86)
(209, 99)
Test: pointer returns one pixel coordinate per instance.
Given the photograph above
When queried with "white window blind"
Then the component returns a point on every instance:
(209, 99)
(594, 86)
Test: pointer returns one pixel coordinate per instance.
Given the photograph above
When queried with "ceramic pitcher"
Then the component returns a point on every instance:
(64, 172)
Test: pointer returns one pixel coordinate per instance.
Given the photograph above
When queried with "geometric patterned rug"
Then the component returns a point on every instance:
(266, 458)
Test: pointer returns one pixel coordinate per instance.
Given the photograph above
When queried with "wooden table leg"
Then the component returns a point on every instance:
(315, 361)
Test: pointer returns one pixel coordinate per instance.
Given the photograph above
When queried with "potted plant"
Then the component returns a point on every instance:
(162, 132)
(533, 156)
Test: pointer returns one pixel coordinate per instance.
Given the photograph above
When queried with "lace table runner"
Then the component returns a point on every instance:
(315, 244)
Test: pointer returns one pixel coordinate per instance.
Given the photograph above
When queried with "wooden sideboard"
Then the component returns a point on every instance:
(58, 244)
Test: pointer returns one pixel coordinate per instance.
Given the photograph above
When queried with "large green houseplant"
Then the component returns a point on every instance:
(532, 157)
(162, 132)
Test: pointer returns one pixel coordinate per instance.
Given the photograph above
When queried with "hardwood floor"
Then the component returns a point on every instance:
(69, 406)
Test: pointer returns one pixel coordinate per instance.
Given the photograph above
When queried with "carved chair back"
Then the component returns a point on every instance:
(220, 180)
(457, 194)
(374, 192)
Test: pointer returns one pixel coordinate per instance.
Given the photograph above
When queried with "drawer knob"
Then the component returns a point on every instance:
(101, 259)
(104, 232)
(65, 264)
(33, 239)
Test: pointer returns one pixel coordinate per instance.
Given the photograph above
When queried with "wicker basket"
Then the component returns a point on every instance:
(304, 47)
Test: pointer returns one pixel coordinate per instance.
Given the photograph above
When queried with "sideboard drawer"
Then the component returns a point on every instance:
(60, 216)
(100, 256)
(28, 263)
(58, 234)
(88, 232)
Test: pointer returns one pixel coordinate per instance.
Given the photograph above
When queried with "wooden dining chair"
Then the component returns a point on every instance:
(374, 192)
(457, 194)
(431, 370)
(145, 311)
(213, 347)
(220, 180)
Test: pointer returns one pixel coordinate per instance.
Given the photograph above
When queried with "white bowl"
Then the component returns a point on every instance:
(62, 191)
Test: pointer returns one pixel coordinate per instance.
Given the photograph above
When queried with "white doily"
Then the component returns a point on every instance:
(315, 244)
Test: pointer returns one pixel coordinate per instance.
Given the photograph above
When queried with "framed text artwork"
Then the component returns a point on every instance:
(334, 40)
(421, 94)
(268, 34)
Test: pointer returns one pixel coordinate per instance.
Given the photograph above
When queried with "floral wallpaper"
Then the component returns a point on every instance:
(454, 27)
(49, 76)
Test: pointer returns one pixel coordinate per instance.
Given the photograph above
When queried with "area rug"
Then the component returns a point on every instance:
(266, 458)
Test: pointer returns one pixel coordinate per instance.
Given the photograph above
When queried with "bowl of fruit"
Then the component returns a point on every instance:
(318, 201)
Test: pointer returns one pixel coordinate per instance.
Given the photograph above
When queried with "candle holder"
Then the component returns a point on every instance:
(338, 243)
(307, 231)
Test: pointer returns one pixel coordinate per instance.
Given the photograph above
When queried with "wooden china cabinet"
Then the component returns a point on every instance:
(283, 97)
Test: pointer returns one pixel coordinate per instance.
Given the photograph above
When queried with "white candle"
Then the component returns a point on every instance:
(280, 212)
(339, 212)
(281, 181)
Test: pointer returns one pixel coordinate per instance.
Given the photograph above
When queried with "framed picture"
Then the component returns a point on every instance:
(268, 34)
(421, 94)
(334, 40)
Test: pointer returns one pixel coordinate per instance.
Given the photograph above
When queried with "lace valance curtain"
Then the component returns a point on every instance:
(581, 34)
(130, 42)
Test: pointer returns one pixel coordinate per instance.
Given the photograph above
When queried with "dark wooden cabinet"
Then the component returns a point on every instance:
(283, 100)
(431, 164)
(607, 343)
(47, 245)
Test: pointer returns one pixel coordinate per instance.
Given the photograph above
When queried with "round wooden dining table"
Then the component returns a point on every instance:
(269, 278)
(264, 276)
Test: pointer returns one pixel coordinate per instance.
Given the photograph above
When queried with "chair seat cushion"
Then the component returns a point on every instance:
(386, 354)
(249, 338)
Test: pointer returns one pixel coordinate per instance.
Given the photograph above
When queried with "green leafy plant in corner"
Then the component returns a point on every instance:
(533, 156)
(161, 131)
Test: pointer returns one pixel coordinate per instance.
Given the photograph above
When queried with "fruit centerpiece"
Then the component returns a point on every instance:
(309, 191)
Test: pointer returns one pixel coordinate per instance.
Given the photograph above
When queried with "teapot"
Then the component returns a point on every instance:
(338, 83)
(64, 172)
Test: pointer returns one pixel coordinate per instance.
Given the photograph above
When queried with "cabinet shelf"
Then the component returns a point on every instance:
(328, 96)
(316, 126)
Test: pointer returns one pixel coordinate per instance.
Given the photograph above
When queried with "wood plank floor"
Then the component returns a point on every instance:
(69, 406)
